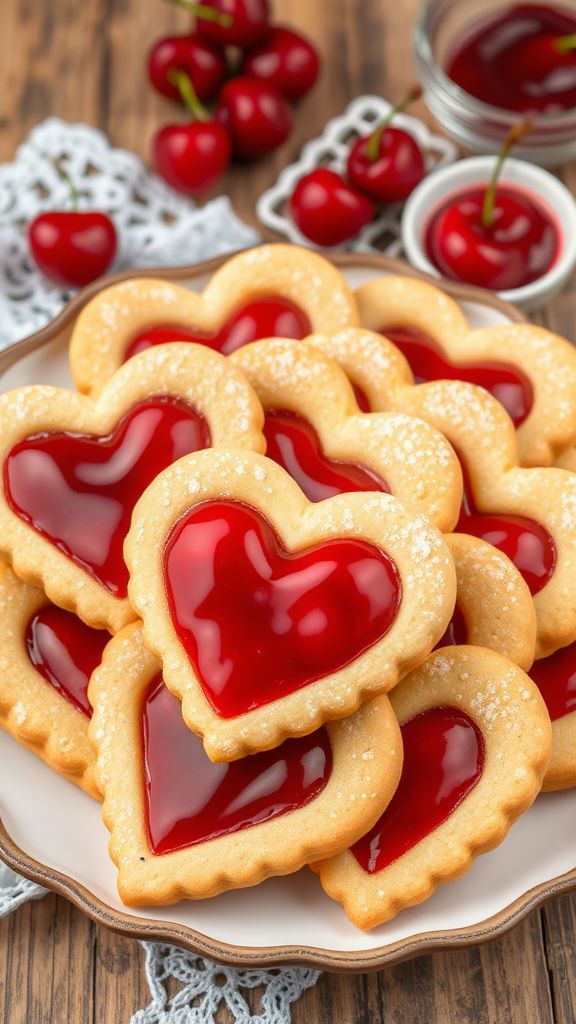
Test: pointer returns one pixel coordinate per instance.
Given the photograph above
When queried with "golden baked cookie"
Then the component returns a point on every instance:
(272, 614)
(477, 739)
(47, 656)
(314, 430)
(281, 290)
(74, 467)
(555, 677)
(530, 370)
(529, 513)
(494, 607)
(237, 824)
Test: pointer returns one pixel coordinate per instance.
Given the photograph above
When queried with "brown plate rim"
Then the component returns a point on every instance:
(182, 935)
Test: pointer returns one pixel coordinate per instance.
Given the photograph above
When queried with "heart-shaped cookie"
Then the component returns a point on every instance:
(271, 614)
(314, 431)
(555, 677)
(477, 741)
(530, 514)
(273, 290)
(238, 823)
(530, 370)
(48, 656)
(493, 604)
(73, 468)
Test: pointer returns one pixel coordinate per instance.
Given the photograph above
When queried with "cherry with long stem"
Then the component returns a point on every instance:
(387, 164)
(516, 133)
(373, 143)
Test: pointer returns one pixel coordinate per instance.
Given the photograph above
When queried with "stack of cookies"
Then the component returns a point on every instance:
(276, 575)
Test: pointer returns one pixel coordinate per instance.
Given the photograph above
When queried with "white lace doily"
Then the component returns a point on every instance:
(155, 227)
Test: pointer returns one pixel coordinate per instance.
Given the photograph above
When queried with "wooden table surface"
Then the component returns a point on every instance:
(82, 60)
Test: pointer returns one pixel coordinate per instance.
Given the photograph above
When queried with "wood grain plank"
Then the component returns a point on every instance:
(559, 923)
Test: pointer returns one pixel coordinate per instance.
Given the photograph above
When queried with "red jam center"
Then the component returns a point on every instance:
(272, 317)
(506, 383)
(79, 491)
(294, 444)
(65, 651)
(191, 800)
(456, 630)
(555, 677)
(526, 543)
(258, 622)
(512, 60)
(443, 761)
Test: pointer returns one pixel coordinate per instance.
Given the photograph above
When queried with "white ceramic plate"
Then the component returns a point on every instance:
(53, 832)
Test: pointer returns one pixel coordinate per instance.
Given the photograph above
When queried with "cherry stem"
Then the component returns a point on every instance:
(512, 139)
(565, 43)
(373, 143)
(205, 12)
(183, 83)
(73, 190)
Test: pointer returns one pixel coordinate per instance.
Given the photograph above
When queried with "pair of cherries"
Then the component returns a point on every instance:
(382, 167)
(252, 115)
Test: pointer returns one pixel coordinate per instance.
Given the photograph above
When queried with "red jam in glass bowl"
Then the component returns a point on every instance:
(520, 58)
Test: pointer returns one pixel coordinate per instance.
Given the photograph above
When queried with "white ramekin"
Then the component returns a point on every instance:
(432, 192)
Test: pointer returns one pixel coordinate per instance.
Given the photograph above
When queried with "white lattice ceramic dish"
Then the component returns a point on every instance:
(53, 833)
(330, 149)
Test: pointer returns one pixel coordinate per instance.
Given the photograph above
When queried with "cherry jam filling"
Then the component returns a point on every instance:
(190, 800)
(79, 490)
(443, 762)
(292, 442)
(514, 59)
(506, 383)
(526, 542)
(65, 651)
(272, 317)
(555, 677)
(258, 622)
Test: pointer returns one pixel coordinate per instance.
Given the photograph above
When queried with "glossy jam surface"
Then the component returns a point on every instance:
(512, 60)
(456, 630)
(272, 317)
(555, 677)
(79, 491)
(443, 761)
(526, 543)
(65, 651)
(191, 800)
(257, 622)
(520, 245)
(294, 444)
(506, 383)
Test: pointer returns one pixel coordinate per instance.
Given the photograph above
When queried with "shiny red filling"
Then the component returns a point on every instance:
(191, 800)
(272, 317)
(79, 491)
(555, 677)
(526, 543)
(294, 444)
(65, 651)
(443, 761)
(257, 622)
(506, 383)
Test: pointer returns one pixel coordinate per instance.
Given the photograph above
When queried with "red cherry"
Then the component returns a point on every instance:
(191, 157)
(237, 23)
(518, 246)
(203, 62)
(72, 248)
(327, 210)
(546, 64)
(255, 114)
(398, 167)
(495, 237)
(286, 60)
